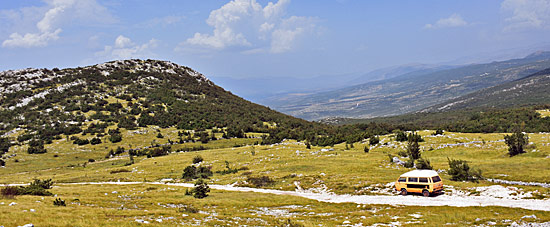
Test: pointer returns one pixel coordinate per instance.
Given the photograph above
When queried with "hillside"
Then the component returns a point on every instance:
(531, 90)
(129, 94)
(411, 92)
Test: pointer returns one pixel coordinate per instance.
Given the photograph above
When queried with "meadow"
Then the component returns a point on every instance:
(290, 166)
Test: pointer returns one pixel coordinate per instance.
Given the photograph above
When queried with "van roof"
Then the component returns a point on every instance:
(420, 173)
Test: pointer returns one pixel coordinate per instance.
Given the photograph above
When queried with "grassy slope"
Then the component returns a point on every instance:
(342, 171)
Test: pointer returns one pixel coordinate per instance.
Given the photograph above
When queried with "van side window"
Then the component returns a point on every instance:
(402, 179)
(436, 179)
(413, 179)
(423, 180)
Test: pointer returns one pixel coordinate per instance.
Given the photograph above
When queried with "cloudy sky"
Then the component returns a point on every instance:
(259, 38)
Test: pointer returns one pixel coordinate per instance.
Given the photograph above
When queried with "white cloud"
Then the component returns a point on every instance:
(246, 24)
(125, 48)
(527, 14)
(454, 20)
(58, 13)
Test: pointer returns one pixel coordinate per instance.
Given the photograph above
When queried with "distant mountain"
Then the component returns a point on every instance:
(270, 91)
(412, 91)
(531, 90)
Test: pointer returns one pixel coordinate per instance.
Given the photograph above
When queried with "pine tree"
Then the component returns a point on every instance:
(201, 189)
(516, 142)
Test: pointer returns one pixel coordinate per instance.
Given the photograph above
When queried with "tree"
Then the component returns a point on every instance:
(423, 163)
(4, 145)
(36, 147)
(516, 142)
(461, 171)
(413, 149)
(201, 189)
(401, 136)
(373, 140)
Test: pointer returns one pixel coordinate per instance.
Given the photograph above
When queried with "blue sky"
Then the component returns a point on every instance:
(278, 38)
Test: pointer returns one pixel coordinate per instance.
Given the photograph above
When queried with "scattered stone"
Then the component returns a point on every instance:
(13, 204)
(32, 210)
(346, 222)
(529, 216)
(27, 225)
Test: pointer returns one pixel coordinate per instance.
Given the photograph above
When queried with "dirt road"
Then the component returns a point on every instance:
(409, 200)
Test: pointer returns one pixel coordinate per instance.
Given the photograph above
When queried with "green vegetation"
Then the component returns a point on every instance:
(459, 170)
(201, 189)
(516, 142)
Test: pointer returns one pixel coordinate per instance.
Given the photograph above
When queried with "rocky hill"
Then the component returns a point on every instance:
(411, 92)
(44, 104)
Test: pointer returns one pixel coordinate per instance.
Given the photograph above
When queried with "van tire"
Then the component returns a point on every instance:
(426, 193)
(403, 191)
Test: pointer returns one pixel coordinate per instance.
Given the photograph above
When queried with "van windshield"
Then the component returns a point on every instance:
(436, 179)
(402, 179)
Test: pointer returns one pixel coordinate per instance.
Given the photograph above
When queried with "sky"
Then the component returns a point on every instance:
(261, 39)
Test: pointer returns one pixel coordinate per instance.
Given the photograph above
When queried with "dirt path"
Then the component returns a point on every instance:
(410, 200)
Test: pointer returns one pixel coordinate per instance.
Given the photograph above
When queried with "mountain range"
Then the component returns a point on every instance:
(410, 92)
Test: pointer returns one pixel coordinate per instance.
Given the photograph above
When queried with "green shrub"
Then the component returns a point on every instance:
(459, 170)
(409, 163)
(201, 189)
(423, 163)
(373, 140)
(95, 141)
(197, 159)
(401, 136)
(192, 172)
(260, 181)
(36, 147)
(516, 142)
(9, 192)
(59, 202)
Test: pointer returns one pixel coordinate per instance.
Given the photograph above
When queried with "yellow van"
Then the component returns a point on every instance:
(426, 182)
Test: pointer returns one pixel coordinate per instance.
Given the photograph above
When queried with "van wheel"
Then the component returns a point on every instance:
(426, 193)
(403, 191)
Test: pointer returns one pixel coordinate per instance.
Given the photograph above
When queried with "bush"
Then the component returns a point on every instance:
(192, 172)
(438, 132)
(228, 169)
(461, 171)
(37, 187)
(59, 202)
(95, 141)
(197, 159)
(373, 140)
(422, 163)
(115, 138)
(36, 147)
(366, 149)
(120, 171)
(401, 136)
(260, 181)
(516, 142)
(160, 136)
(9, 192)
(409, 163)
(201, 189)
(81, 142)
(2, 162)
